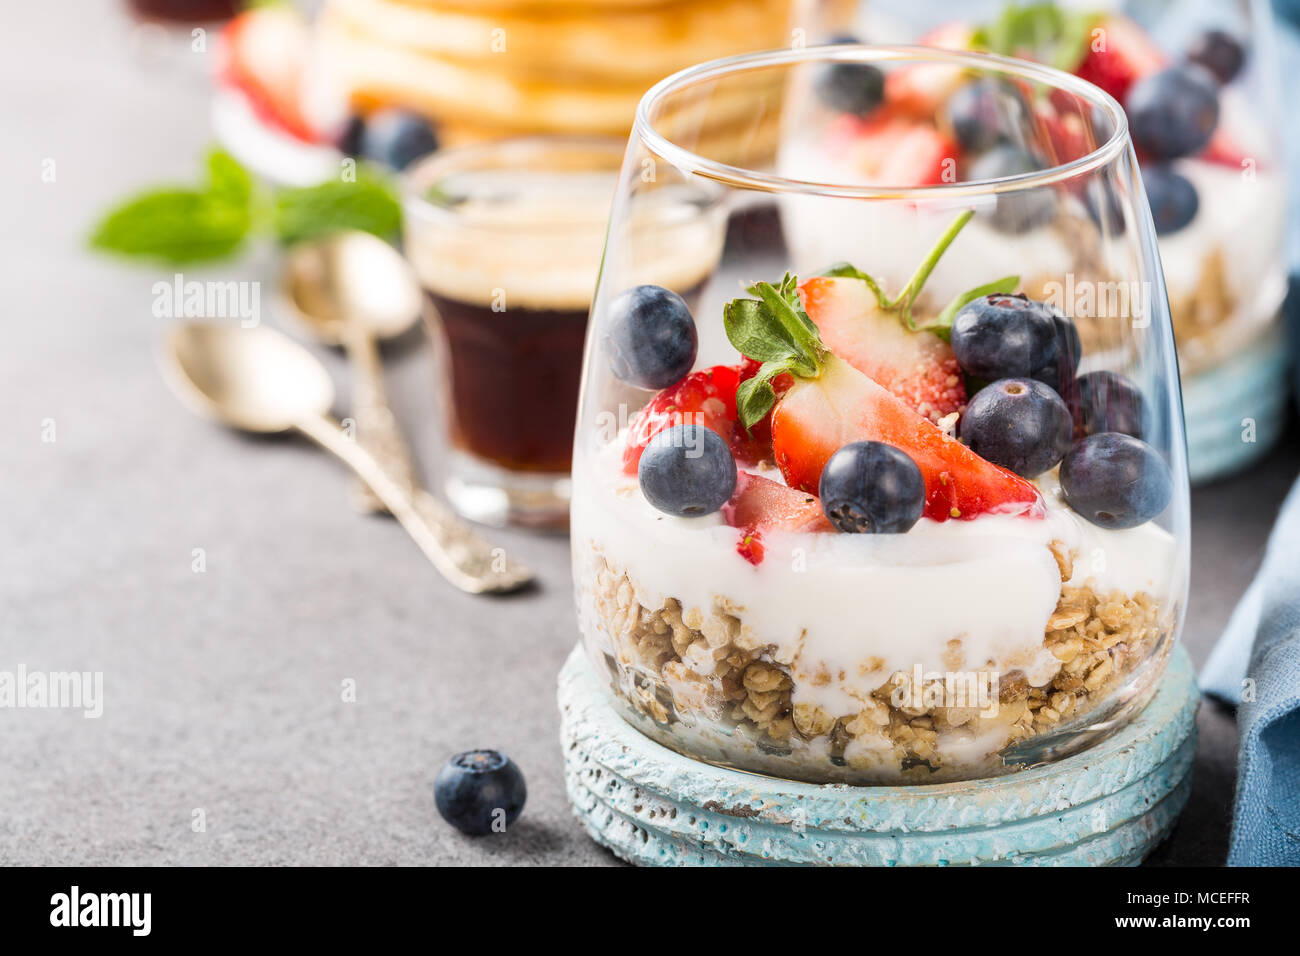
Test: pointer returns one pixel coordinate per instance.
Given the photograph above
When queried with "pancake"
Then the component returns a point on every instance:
(462, 94)
(638, 44)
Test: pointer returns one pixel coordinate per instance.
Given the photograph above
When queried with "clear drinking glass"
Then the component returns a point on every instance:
(506, 241)
(837, 576)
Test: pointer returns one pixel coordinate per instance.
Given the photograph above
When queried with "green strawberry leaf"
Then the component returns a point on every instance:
(773, 329)
(755, 396)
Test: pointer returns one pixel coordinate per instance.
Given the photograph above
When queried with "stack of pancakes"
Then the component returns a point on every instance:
(490, 68)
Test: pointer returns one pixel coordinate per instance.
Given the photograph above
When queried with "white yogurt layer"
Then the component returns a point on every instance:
(845, 612)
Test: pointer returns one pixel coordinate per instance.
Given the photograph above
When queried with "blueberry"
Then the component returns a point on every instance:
(1220, 53)
(980, 113)
(397, 137)
(350, 139)
(1058, 372)
(868, 487)
(1004, 336)
(1108, 402)
(687, 470)
(1173, 113)
(1172, 197)
(1116, 481)
(855, 88)
(1020, 424)
(1021, 209)
(650, 338)
(480, 791)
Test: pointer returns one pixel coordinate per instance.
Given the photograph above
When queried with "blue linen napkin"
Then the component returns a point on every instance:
(1256, 663)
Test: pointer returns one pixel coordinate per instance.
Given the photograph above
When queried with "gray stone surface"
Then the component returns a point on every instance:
(223, 689)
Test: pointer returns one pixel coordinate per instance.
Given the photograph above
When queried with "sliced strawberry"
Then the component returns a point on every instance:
(708, 398)
(818, 416)
(922, 89)
(1225, 151)
(893, 150)
(265, 52)
(918, 367)
(1120, 54)
(756, 446)
(761, 505)
(1066, 134)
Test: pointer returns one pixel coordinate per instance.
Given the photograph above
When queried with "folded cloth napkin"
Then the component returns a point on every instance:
(1256, 664)
(1266, 828)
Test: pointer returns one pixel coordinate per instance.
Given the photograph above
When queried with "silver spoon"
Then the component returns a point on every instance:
(260, 380)
(353, 289)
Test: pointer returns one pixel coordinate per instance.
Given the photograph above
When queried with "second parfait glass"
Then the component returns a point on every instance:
(862, 511)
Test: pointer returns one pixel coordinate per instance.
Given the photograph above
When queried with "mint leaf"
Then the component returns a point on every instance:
(941, 325)
(226, 177)
(369, 204)
(174, 225)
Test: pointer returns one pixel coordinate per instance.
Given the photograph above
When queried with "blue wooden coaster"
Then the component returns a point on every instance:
(1110, 805)
(1236, 412)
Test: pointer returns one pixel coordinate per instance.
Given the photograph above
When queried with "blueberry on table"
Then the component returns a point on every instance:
(869, 487)
(480, 791)
(1220, 53)
(1174, 112)
(687, 470)
(1004, 336)
(1116, 481)
(650, 337)
(397, 137)
(1058, 372)
(1172, 198)
(1020, 424)
(1016, 210)
(855, 88)
(1109, 402)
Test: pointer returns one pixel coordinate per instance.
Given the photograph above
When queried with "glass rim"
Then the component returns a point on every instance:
(416, 179)
(693, 163)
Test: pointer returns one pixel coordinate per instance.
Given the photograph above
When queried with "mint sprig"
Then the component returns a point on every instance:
(213, 220)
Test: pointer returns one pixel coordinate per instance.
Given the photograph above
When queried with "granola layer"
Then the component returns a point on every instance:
(710, 685)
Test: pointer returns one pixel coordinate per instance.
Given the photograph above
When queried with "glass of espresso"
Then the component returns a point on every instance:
(506, 240)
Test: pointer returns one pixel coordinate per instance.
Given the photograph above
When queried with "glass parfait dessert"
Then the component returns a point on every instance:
(867, 512)
(1198, 80)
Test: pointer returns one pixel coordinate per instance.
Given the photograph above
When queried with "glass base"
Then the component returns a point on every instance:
(496, 496)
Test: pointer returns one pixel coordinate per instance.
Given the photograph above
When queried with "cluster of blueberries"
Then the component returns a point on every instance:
(1035, 413)
(1173, 114)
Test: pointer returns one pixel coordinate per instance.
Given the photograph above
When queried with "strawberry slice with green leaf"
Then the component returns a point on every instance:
(831, 403)
(878, 336)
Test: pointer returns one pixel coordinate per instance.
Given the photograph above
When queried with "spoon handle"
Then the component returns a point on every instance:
(463, 558)
(377, 430)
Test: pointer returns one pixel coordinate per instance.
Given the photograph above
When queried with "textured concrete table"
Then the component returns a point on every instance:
(223, 689)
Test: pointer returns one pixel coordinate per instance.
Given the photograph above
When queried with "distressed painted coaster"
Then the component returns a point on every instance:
(1108, 806)
(1236, 411)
